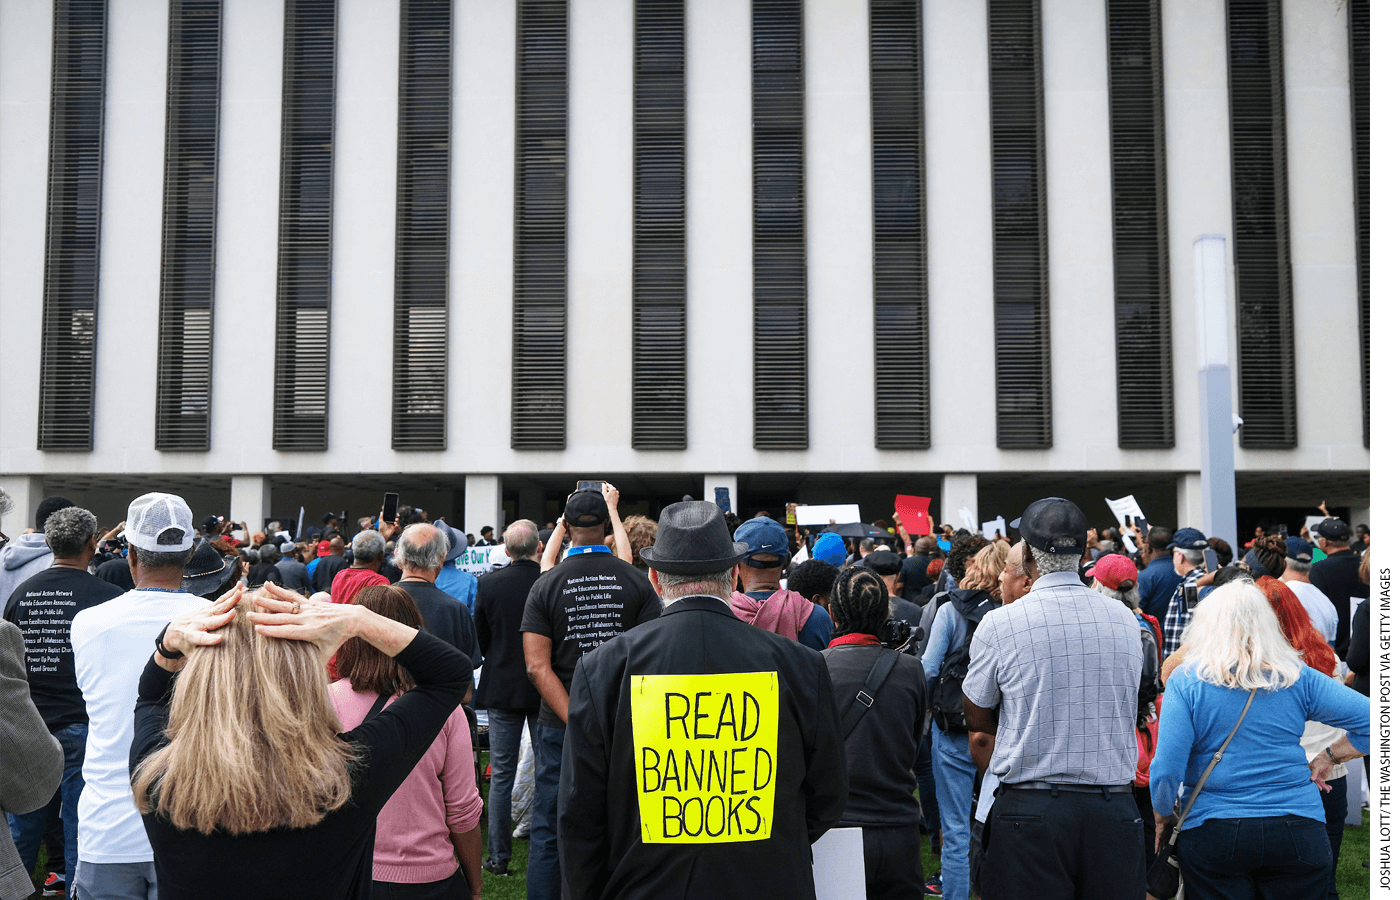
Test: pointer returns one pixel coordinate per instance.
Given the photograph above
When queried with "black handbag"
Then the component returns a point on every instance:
(1164, 875)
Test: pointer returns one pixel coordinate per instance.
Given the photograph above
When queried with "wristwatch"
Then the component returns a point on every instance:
(160, 646)
(1332, 756)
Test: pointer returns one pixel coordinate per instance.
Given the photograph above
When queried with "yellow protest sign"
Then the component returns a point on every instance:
(706, 749)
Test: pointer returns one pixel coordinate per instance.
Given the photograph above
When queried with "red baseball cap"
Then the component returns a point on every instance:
(1115, 572)
(323, 548)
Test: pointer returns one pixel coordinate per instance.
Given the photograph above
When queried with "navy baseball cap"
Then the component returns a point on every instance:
(1052, 519)
(586, 509)
(882, 562)
(1188, 539)
(1300, 549)
(1333, 529)
(763, 535)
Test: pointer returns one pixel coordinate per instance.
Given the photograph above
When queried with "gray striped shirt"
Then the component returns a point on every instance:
(1064, 663)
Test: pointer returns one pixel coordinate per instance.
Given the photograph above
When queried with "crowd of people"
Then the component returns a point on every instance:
(702, 697)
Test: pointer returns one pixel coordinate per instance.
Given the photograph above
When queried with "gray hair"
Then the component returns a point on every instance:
(150, 559)
(1129, 598)
(522, 539)
(1056, 562)
(368, 545)
(867, 544)
(1193, 556)
(422, 546)
(715, 584)
(269, 553)
(6, 504)
(1300, 568)
(68, 530)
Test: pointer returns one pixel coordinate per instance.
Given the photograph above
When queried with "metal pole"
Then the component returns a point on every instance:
(1217, 418)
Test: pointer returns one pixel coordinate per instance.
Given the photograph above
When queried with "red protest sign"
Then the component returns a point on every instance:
(913, 512)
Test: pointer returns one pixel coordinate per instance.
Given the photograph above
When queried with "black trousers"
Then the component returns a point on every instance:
(893, 868)
(1063, 846)
(453, 887)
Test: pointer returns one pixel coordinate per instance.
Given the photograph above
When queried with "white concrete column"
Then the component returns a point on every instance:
(250, 500)
(483, 503)
(25, 493)
(959, 492)
(723, 481)
(1190, 507)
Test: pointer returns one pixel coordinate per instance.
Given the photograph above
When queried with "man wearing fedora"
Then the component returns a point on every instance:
(1063, 663)
(579, 605)
(730, 853)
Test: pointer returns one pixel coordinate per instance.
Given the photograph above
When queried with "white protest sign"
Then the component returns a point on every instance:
(1124, 506)
(838, 865)
(991, 529)
(801, 556)
(477, 560)
(968, 521)
(840, 513)
(1311, 522)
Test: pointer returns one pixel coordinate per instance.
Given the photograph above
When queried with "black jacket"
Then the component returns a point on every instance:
(500, 603)
(601, 850)
(1338, 576)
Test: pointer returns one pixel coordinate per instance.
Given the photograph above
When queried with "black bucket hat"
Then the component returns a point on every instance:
(692, 539)
(207, 570)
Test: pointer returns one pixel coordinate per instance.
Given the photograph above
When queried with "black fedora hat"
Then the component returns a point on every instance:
(207, 570)
(692, 539)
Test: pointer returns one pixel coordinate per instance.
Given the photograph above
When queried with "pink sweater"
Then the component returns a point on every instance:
(411, 844)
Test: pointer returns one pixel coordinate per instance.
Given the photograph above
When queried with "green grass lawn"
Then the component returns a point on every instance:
(1353, 881)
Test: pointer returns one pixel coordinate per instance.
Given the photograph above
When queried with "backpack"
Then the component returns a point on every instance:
(945, 690)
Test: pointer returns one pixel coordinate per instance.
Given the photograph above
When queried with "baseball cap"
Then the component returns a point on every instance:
(586, 509)
(881, 562)
(1333, 529)
(1051, 519)
(830, 548)
(160, 523)
(1300, 549)
(210, 522)
(1114, 571)
(323, 548)
(1252, 563)
(764, 536)
(1188, 539)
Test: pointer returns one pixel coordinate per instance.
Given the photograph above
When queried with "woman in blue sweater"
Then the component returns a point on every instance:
(1257, 828)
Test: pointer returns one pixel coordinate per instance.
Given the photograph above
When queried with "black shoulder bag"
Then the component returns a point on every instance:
(1164, 875)
(865, 697)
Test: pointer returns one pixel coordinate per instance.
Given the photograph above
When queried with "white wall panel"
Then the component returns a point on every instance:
(840, 274)
(128, 301)
(245, 261)
(26, 48)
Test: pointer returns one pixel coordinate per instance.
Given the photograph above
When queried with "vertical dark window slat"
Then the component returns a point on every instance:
(1020, 270)
(72, 240)
(539, 321)
(1141, 276)
(185, 354)
(301, 389)
(1263, 264)
(658, 226)
(900, 234)
(1360, 34)
(421, 233)
(779, 227)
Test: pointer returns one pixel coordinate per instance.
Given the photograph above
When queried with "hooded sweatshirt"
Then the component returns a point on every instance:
(20, 560)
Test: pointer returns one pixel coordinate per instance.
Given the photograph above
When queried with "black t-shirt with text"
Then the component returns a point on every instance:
(581, 603)
(43, 607)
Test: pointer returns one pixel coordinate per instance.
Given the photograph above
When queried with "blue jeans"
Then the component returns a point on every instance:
(928, 792)
(1267, 857)
(506, 725)
(28, 829)
(542, 880)
(953, 774)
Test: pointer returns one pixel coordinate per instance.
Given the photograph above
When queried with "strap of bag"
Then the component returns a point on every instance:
(865, 697)
(1186, 811)
(377, 708)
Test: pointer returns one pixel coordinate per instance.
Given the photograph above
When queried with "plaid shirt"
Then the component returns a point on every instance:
(1178, 613)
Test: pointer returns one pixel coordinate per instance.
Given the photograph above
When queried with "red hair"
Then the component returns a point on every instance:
(1297, 625)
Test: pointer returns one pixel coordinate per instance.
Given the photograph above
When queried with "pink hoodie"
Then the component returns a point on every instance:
(784, 612)
(411, 845)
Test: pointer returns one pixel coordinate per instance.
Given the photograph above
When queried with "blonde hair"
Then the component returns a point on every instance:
(984, 569)
(1235, 641)
(254, 739)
